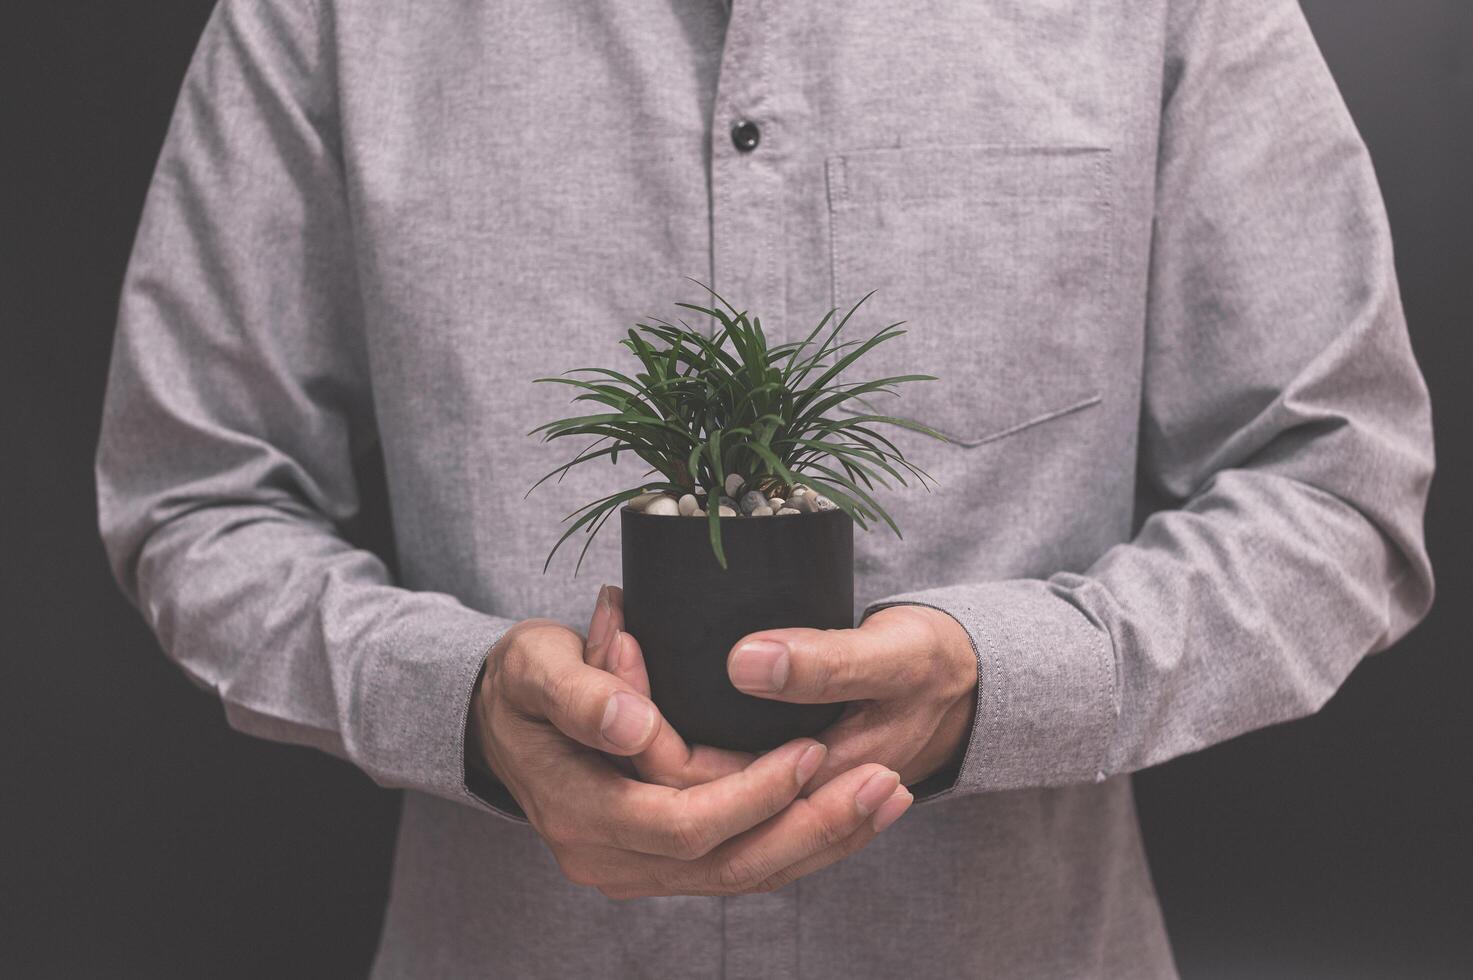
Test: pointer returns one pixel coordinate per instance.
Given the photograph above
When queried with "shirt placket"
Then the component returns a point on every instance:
(759, 932)
(748, 154)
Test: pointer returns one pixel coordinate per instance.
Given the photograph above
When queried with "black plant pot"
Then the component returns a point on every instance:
(687, 613)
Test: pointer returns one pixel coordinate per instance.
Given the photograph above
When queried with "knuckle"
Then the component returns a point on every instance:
(737, 874)
(536, 631)
(772, 883)
(658, 881)
(689, 839)
(825, 834)
(826, 663)
(558, 688)
(844, 848)
(834, 666)
(514, 661)
(824, 830)
(522, 642)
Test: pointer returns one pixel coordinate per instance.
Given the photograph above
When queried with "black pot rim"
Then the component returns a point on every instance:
(701, 526)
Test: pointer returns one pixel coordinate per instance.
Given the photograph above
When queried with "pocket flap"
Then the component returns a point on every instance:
(979, 173)
(997, 259)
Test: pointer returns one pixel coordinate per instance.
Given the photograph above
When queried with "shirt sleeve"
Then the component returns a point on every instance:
(237, 400)
(1284, 424)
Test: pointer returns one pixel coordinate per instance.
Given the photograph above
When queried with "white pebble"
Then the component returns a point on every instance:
(802, 503)
(688, 505)
(725, 511)
(776, 503)
(644, 500)
(788, 510)
(763, 511)
(665, 506)
(734, 484)
(824, 503)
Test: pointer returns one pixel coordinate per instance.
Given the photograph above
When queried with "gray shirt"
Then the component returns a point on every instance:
(1141, 243)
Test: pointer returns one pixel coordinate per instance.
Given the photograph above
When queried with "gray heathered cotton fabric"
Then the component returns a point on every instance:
(1141, 242)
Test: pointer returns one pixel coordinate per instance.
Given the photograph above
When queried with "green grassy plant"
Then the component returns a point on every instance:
(700, 407)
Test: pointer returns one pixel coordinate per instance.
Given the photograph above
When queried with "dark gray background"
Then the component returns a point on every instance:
(143, 838)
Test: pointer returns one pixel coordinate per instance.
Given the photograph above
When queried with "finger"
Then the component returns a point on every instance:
(622, 874)
(879, 659)
(669, 760)
(898, 734)
(601, 629)
(554, 777)
(626, 662)
(615, 599)
(889, 812)
(803, 830)
(547, 678)
(867, 731)
(688, 823)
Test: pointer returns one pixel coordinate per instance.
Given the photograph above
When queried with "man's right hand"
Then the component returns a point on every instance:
(542, 719)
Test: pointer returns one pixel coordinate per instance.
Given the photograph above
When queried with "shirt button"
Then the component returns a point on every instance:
(745, 135)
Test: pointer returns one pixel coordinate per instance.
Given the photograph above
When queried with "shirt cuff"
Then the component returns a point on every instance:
(414, 701)
(486, 791)
(1046, 687)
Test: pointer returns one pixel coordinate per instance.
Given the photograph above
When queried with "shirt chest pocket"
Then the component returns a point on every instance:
(997, 258)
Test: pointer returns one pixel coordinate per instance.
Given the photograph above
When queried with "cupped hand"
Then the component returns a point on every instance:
(909, 673)
(544, 722)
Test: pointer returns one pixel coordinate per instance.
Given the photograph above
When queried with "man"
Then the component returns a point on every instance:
(1140, 242)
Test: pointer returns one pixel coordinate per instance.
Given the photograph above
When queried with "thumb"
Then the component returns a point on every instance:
(669, 760)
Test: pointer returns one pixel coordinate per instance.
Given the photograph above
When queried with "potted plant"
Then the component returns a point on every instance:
(745, 520)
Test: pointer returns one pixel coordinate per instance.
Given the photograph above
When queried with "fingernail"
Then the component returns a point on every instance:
(598, 630)
(616, 646)
(876, 790)
(892, 808)
(760, 666)
(627, 720)
(809, 762)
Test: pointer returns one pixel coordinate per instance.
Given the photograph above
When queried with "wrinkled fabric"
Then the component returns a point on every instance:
(1141, 244)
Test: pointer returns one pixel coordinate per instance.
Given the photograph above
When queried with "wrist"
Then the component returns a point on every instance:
(952, 649)
(480, 749)
(954, 669)
(475, 754)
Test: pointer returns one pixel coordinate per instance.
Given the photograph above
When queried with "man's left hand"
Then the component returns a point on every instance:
(909, 673)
